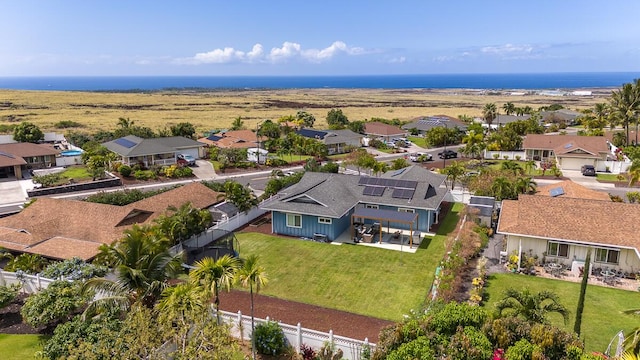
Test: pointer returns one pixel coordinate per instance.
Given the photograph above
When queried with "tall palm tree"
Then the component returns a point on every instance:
(251, 274)
(532, 307)
(454, 172)
(179, 306)
(237, 123)
(509, 108)
(512, 166)
(489, 113)
(529, 166)
(625, 104)
(502, 188)
(142, 264)
(215, 274)
(634, 172)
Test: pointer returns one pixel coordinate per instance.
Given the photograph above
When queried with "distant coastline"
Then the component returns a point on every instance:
(526, 82)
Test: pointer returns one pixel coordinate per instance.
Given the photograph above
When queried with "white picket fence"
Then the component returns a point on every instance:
(511, 155)
(240, 324)
(352, 349)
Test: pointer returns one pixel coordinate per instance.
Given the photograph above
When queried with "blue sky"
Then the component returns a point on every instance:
(239, 37)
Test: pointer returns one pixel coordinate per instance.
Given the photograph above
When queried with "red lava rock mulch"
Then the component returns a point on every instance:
(309, 316)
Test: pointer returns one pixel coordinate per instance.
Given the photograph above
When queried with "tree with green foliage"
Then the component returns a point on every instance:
(454, 172)
(28, 263)
(214, 275)
(239, 195)
(356, 126)
(305, 119)
(269, 129)
(56, 303)
(180, 224)
(532, 307)
(583, 291)
(336, 119)
(440, 135)
(8, 294)
(489, 113)
(509, 108)
(185, 129)
(625, 104)
(525, 185)
(142, 264)
(502, 188)
(27, 132)
(237, 124)
(252, 275)
(511, 165)
(474, 144)
(399, 163)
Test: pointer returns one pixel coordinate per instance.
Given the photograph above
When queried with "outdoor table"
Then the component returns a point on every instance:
(608, 276)
(554, 268)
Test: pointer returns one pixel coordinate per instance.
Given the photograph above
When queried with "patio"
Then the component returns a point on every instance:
(598, 277)
(392, 239)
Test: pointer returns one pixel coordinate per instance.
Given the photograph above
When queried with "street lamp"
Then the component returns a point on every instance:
(258, 142)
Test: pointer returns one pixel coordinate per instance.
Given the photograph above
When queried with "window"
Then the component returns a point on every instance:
(406, 210)
(323, 220)
(371, 206)
(557, 249)
(294, 220)
(607, 256)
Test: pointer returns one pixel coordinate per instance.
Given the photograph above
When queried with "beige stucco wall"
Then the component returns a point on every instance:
(628, 260)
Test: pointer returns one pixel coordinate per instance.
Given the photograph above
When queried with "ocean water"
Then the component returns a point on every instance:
(443, 81)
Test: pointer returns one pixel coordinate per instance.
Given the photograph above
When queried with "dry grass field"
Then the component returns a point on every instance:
(217, 109)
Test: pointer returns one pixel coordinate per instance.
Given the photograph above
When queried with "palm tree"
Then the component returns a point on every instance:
(489, 113)
(502, 188)
(237, 123)
(526, 185)
(142, 264)
(509, 108)
(625, 104)
(179, 306)
(251, 274)
(531, 307)
(215, 274)
(454, 172)
(634, 172)
(529, 166)
(511, 165)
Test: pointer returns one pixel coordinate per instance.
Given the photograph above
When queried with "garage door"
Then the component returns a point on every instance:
(193, 152)
(573, 163)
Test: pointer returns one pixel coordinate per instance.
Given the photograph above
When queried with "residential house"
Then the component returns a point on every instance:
(382, 131)
(329, 204)
(16, 158)
(562, 229)
(565, 116)
(426, 123)
(234, 139)
(501, 120)
(337, 141)
(569, 152)
(570, 189)
(62, 229)
(154, 151)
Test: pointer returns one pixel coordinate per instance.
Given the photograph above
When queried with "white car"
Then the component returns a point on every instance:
(420, 157)
(187, 159)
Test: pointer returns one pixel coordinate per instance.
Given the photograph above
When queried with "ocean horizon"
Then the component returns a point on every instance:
(528, 81)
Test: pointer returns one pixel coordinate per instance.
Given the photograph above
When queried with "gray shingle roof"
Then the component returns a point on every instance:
(150, 146)
(332, 195)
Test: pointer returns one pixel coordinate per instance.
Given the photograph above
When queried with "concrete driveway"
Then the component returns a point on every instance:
(588, 181)
(12, 192)
(204, 170)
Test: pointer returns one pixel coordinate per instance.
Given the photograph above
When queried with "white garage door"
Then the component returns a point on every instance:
(573, 163)
(192, 151)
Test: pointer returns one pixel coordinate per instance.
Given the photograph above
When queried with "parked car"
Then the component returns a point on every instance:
(420, 157)
(186, 159)
(588, 170)
(448, 154)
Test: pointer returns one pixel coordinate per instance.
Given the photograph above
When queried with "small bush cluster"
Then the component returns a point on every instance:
(269, 338)
(73, 269)
(125, 170)
(175, 171)
(123, 197)
(276, 162)
(48, 180)
(144, 175)
(65, 124)
(8, 294)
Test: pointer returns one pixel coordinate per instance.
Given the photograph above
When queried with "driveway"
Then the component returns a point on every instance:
(12, 192)
(588, 181)
(204, 170)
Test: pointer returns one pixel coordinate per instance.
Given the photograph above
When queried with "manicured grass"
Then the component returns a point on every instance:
(293, 158)
(360, 279)
(20, 347)
(76, 173)
(602, 317)
(607, 177)
(419, 141)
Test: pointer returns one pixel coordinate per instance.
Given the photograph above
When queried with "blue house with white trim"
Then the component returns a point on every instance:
(328, 204)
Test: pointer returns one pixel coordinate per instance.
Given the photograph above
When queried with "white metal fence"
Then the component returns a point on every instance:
(510, 155)
(31, 284)
(296, 335)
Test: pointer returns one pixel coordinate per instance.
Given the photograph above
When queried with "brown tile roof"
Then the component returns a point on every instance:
(571, 189)
(236, 139)
(564, 144)
(579, 220)
(382, 129)
(7, 159)
(28, 149)
(83, 224)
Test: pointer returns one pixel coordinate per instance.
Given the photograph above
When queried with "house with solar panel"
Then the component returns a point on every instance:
(337, 141)
(155, 151)
(332, 206)
(426, 123)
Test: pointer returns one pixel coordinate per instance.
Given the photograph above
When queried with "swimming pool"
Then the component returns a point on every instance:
(71, 153)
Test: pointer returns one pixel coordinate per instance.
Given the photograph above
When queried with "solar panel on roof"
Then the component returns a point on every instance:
(364, 180)
(378, 191)
(125, 142)
(7, 155)
(568, 146)
(402, 193)
(373, 190)
(556, 192)
(398, 172)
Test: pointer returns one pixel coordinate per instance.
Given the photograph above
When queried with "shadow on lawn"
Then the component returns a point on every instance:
(447, 224)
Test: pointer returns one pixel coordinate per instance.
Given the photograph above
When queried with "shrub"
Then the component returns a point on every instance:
(65, 124)
(28, 263)
(125, 170)
(144, 175)
(8, 294)
(276, 162)
(73, 269)
(269, 338)
(521, 350)
(55, 303)
(184, 171)
(47, 180)
(420, 348)
(307, 352)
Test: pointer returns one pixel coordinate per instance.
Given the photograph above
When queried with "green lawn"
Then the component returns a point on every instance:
(602, 317)
(293, 158)
(19, 347)
(76, 173)
(607, 177)
(419, 141)
(375, 282)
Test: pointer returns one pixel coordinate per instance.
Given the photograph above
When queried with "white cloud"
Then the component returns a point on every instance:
(288, 50)
(397, 60)
(507, 49)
